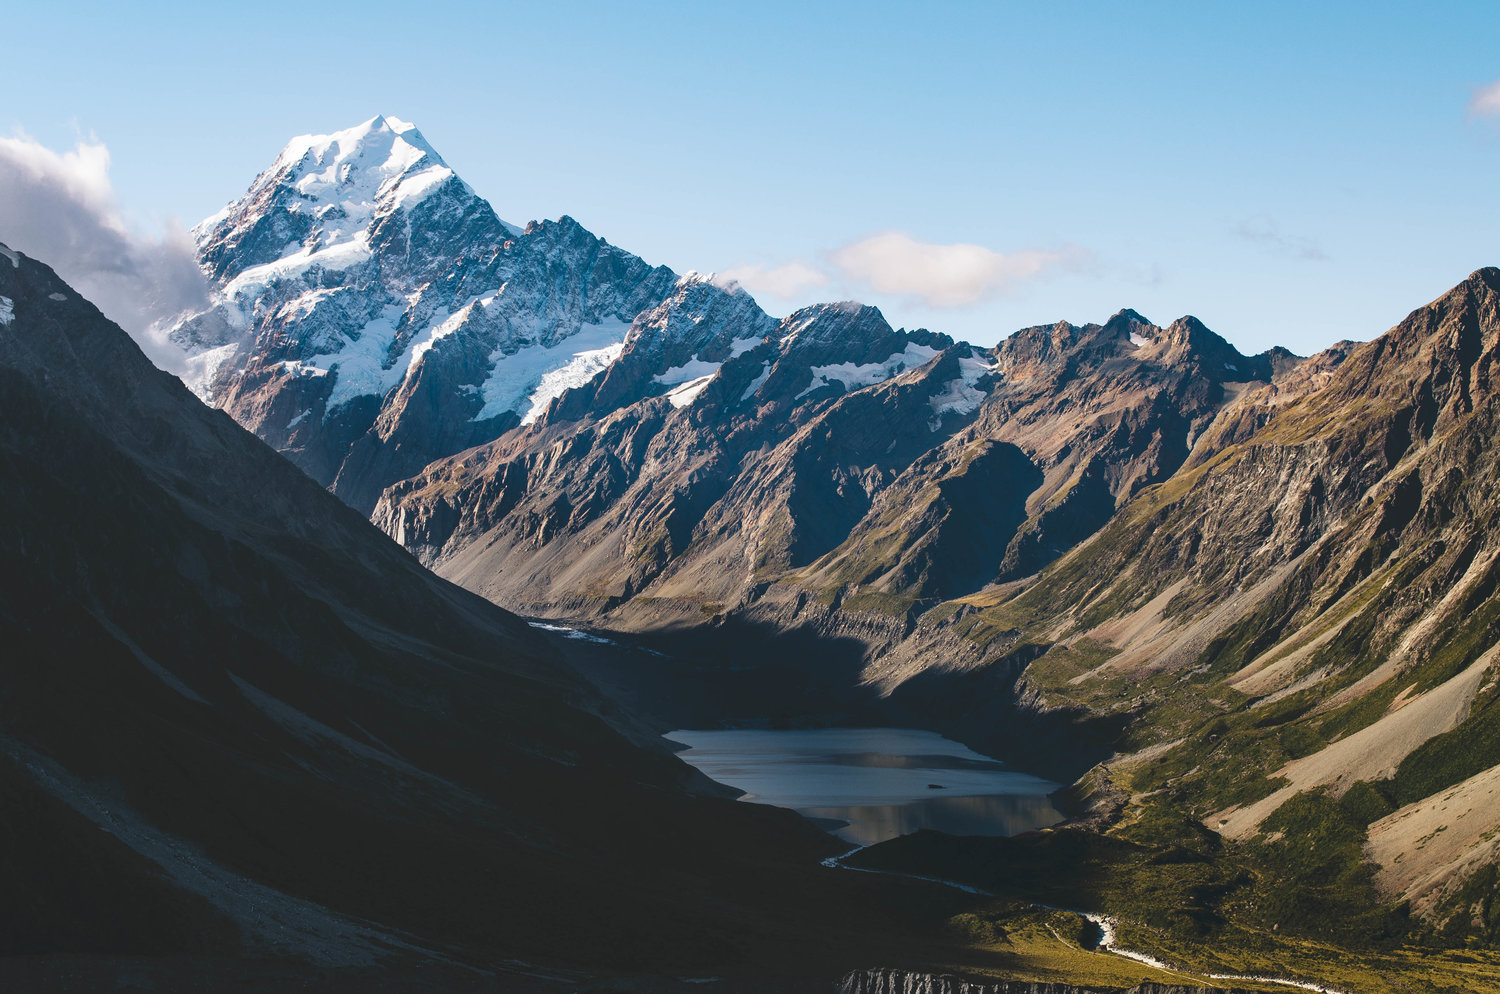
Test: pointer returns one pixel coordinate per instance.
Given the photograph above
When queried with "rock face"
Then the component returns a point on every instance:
(1088, 525)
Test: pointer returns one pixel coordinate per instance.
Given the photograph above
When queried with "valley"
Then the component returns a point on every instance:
(1249, 593)
(1111, 618)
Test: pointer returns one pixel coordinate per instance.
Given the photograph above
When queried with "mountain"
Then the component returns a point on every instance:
(372, 313)
(245, 739)
(1291, 643)
(1304, 620)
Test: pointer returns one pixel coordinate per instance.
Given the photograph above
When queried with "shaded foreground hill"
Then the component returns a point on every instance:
(239, 724)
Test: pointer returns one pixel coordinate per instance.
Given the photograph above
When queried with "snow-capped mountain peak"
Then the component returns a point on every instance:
(380, 160)
(366, 294)
(323, 195)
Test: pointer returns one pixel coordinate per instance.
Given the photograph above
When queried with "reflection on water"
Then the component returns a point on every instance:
(879, 782)
(995, 814)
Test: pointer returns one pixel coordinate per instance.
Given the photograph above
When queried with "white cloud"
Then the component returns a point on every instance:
(1486, 100)
(789, 281)
(60, 208)
(943, 276)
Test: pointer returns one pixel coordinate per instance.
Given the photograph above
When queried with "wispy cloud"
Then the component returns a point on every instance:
(60, 208)
(1264, 231)
(944, 276)
(1485, 101)
(790, 281)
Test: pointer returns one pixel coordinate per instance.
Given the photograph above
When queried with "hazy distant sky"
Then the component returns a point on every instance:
(1291, 174)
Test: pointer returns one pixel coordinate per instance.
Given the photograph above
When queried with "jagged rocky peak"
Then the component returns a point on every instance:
(840, 324)
(674, 347)
(847, 345)
(373, 313)
(1188, 341)
(1186, 344)
(703, 319)
(709, 340)
(324, 192)
(871, 350)
(1434, 368)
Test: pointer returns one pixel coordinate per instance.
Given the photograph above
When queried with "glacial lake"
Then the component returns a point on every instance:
(879, 783)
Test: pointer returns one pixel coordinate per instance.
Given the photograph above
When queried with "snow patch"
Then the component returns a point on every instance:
(360, 364)
(57, 296)
(336, 257)
(688, 392)
(857, 376)
(296, 367)
(758, 382)
(200, 370)
(584, 366)
(436, 332)
(572, 633)
(1139, 341)
(693, 369)
(7, 310)
(416, 187)
(527, 380)
(961, 396)
(299, 418)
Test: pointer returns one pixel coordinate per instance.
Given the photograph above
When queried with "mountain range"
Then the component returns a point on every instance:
(1199, 523)
(1245, 605)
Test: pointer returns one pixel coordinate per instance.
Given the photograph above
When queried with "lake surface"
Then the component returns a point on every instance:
(879, 782)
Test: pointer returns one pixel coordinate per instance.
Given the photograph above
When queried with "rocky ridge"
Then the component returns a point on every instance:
(912, 470)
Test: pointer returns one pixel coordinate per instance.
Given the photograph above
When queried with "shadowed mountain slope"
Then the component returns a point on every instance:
(236, 720)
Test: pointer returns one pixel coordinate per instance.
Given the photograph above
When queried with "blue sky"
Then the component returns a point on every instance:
(1290, 173)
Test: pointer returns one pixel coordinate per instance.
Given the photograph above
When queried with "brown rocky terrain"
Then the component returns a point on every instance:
(1305, 611)
(975, 466)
